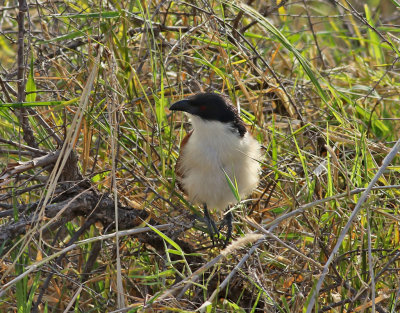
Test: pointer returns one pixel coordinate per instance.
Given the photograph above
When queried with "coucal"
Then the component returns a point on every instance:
(218, 146)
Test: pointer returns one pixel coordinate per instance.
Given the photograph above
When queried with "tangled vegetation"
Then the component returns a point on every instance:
(91, 219)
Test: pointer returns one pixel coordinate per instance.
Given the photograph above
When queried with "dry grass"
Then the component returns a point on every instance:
(95, 222)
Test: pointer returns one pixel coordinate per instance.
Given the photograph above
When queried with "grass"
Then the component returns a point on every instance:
(102, 227)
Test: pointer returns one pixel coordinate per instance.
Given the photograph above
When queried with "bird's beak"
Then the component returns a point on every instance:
(182, 105)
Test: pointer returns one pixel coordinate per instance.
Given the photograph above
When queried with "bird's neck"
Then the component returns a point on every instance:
(211, 129)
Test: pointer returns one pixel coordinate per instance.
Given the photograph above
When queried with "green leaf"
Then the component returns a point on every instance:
(214, 43)
(105, 14)
(169, 240)
(375, 42)
(165, 273)
(32, 104)
(232, 185)
(396, 3)
(30, 85)
(69, 36)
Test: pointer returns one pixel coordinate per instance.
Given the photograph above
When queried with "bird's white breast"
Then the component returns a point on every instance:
(212, 148)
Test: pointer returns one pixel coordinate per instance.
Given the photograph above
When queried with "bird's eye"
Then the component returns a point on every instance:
(203, 108)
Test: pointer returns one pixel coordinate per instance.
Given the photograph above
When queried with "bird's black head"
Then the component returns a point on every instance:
(211, 107)
(208, 106)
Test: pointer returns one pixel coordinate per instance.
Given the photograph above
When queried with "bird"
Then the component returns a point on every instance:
(217, 147)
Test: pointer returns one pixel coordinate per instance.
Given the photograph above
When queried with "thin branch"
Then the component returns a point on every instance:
(370, 260)
(281, 242)
(22, 115)
(13, 169)
(233, 272)
(22, 146)
(307, 206)
(37, 265)
(388, 159)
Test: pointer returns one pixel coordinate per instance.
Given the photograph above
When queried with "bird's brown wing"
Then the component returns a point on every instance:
(178, 171)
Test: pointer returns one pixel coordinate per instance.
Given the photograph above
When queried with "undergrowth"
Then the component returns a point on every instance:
(91, 218)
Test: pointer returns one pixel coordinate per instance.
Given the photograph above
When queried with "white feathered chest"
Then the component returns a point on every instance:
(215, 147)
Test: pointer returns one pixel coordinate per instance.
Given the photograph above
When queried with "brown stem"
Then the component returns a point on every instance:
(22, 115)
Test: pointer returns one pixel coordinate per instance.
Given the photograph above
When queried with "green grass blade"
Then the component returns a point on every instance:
(30, 84)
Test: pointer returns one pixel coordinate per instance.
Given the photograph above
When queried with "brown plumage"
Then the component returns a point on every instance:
(178, 169)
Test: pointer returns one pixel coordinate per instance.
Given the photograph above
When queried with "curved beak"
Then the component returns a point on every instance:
(183, 105)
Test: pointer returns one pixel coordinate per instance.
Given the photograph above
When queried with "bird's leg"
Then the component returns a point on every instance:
(228, 220)
(212, 228)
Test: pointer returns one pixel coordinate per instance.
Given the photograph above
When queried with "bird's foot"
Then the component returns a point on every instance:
(228, 222)
(212, 228)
